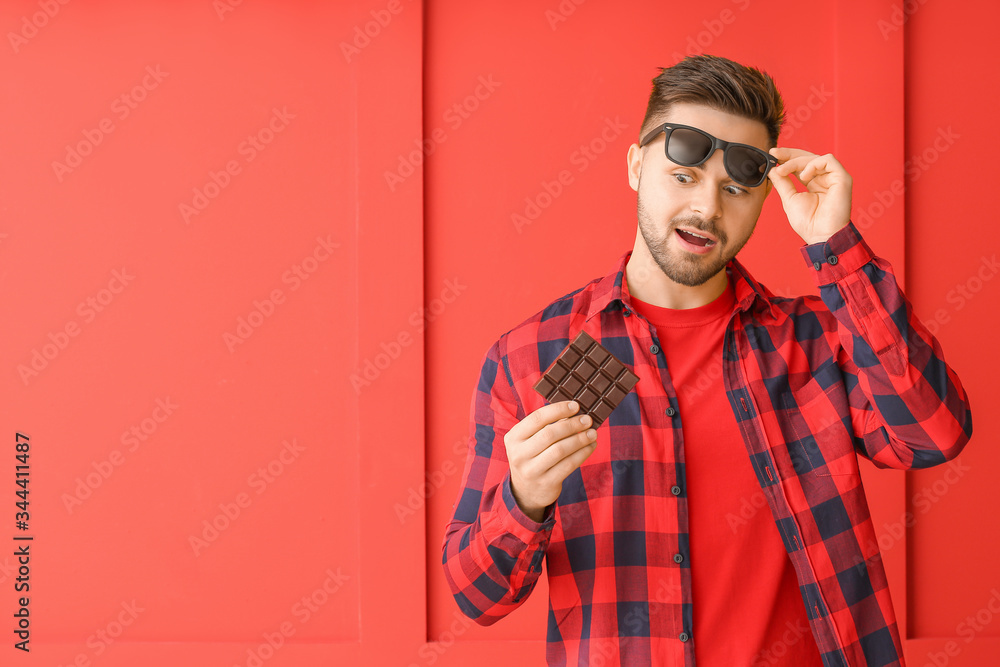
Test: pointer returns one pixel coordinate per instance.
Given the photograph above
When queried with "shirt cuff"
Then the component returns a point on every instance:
(840, 255)
(516, 522)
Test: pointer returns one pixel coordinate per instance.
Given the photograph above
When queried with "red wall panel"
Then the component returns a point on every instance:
(189, 467)
(564, 86)
(953, 572)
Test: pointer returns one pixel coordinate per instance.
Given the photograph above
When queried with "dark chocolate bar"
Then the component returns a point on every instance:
(587, 372)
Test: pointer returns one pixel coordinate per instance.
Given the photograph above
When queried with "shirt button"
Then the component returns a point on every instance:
(671, 412)
(678, 558)
(676, 490)
(816, 265)
(832, 259)
(684, 636)
(654, 348)
(627, 312)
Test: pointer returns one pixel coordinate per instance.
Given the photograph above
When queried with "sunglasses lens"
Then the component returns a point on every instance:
(745, 165)
(688, 147)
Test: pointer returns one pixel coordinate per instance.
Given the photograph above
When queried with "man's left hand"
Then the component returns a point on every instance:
(825, 207)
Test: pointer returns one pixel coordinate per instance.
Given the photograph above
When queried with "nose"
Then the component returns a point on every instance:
(706, 198)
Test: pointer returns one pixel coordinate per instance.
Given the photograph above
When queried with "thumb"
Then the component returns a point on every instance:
(783, 184)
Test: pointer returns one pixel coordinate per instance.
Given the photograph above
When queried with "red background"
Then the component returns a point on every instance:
(372, 249)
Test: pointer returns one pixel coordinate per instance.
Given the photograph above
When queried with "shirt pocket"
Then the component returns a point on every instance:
(825, 443)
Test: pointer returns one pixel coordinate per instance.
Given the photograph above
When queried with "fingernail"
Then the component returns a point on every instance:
(572, 405)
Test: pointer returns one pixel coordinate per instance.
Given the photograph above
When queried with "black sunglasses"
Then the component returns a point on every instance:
(688, 146)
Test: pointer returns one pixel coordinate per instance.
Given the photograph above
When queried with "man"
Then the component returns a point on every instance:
(657, 545)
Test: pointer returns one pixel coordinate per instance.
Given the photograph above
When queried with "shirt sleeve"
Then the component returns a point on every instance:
(492, 552)
(920, 414)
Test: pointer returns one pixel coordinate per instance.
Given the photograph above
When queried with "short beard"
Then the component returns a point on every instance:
(680, 266)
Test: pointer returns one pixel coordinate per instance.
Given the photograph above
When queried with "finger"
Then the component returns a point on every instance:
(784, 153)
(823, 164)
(782, 184)
(541, 418)
(793, 165)
(558, 436)
(812, 174)
(531, 448)
(561, 470)
(566, 445)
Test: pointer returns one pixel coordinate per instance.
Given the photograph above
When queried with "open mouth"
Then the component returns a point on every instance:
(694, 239)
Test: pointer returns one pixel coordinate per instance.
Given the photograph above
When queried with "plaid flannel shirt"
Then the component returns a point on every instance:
(813, 382)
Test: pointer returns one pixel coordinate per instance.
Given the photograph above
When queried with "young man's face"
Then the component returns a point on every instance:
(702, 199)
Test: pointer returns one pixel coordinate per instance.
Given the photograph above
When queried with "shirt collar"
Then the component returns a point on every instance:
(609, 292)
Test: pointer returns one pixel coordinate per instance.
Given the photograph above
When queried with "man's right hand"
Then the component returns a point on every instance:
(543, 449)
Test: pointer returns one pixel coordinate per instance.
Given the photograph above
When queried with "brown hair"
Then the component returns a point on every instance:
(718, 83)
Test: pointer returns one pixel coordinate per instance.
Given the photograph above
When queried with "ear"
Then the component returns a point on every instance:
(634, 160)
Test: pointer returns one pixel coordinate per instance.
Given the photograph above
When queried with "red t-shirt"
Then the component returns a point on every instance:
(747, 608)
